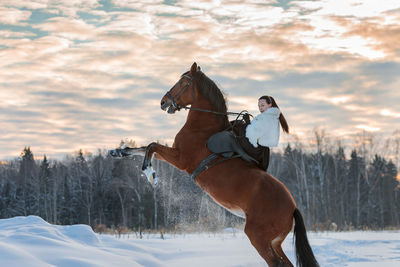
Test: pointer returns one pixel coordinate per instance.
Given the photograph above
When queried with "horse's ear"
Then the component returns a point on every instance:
(198, 68)
(193, 69)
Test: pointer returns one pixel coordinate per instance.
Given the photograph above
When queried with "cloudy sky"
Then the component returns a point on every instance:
(88, 73)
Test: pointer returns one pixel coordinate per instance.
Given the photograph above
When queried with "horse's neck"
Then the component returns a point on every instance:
(203, 120)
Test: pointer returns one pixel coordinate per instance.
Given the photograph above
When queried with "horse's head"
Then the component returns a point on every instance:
(182, 93)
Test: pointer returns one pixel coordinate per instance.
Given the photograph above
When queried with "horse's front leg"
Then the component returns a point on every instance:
(165, 153)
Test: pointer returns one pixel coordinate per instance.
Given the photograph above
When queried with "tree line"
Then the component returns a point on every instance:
(355, 192)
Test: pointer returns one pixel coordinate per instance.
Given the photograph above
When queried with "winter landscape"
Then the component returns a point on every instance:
(114, 194)
(81, 77)
(30, 241)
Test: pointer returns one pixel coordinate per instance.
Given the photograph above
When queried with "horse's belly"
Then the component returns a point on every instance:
(225, 202)
(234, 209)
(238, 213)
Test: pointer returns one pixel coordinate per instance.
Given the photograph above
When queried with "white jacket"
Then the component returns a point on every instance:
(264, 128)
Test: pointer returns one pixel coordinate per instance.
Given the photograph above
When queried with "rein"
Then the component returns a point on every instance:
(214, 112)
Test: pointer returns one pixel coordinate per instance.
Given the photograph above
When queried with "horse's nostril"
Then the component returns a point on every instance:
(162, 102)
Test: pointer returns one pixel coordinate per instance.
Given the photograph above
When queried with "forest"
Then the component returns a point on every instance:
(336, 187)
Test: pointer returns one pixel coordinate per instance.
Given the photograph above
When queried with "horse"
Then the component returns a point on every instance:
(239, 186)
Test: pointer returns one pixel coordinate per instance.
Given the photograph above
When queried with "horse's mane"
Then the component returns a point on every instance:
(210, 90)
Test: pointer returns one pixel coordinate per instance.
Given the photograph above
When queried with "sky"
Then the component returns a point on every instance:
(84, 74)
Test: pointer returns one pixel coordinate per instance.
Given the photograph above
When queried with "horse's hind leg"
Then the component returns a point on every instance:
(277, 246)
(261, 239)
(277, 243)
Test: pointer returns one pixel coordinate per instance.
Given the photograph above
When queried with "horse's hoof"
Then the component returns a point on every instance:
(147, 158)
(150, 174)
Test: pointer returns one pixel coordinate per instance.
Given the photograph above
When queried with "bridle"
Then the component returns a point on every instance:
(178, 96)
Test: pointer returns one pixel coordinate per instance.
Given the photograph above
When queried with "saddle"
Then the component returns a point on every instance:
(222, 144)
(226, 145)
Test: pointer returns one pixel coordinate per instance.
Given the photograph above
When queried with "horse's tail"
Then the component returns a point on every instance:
(304, 254)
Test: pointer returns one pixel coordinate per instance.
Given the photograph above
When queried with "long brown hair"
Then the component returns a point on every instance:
(282, 120)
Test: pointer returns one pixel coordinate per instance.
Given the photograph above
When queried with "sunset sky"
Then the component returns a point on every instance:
(88, 73)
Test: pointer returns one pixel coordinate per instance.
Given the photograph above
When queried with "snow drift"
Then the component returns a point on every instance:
(30, 241)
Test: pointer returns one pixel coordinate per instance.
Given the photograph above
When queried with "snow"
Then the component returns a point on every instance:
(30, 241)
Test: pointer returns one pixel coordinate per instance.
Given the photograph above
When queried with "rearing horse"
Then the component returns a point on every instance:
(239, 186)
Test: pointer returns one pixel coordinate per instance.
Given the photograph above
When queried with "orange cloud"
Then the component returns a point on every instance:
(382, 37)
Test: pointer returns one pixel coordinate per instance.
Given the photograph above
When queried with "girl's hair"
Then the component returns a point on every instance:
(282, 120)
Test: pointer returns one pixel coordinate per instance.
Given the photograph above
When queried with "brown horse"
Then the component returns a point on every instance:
(237, 185)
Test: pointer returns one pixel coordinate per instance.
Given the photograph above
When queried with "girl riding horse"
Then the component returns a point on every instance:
(235, 184)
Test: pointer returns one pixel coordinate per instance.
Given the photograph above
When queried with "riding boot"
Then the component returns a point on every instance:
(265, 158)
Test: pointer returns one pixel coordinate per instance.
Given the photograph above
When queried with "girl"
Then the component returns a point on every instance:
(263, 132)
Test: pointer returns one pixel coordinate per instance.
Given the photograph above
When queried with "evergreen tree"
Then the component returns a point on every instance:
(340, 189)
(389, 185)
(28, 185)
(44, 177)
(86, 187)
(66, 204)
(375, 196)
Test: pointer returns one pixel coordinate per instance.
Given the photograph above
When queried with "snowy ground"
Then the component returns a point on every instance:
(30, 241)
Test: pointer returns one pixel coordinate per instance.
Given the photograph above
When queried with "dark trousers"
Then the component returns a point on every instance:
(260, 153)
